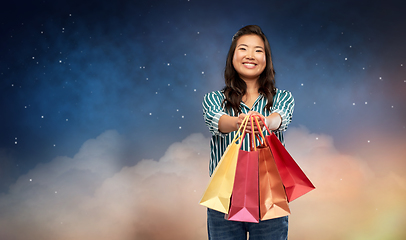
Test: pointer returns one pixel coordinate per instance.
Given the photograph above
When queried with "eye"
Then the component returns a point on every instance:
(259, 50)
(242, 48)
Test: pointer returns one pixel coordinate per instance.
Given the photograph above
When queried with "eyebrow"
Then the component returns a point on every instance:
(242, 44)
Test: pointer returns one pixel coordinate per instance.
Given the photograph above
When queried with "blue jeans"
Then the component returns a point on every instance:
(220, 228)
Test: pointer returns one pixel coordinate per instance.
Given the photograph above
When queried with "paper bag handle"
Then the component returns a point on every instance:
(242, 127)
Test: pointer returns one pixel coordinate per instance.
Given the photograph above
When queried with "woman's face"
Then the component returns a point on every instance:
(249, 57)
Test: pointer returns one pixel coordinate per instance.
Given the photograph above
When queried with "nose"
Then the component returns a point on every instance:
(250, 55)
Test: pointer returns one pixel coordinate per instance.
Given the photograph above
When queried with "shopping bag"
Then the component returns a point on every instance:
(273, 202)
(294, 179)
(244, 201)
(218, 192)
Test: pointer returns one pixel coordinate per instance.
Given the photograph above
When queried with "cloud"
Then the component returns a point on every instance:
(90, 196)
(352, 200)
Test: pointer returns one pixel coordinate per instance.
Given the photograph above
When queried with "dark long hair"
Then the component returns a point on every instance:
(235, 87)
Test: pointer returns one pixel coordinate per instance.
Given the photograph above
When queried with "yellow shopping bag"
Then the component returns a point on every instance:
(218, 192)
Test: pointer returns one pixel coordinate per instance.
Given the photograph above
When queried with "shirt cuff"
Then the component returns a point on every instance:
(215, 124)
(285, 122)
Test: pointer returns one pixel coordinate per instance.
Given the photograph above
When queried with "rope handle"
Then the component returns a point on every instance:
(261, 133)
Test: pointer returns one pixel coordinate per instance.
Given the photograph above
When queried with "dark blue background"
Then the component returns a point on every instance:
(71, 70)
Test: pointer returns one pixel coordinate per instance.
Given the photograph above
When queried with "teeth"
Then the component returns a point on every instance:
(249, 64)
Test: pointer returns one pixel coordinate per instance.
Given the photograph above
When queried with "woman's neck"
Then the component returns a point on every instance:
(251, 93)
(252, 87)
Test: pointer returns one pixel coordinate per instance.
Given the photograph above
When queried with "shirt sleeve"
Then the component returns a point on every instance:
(212, 111)
(284, 104)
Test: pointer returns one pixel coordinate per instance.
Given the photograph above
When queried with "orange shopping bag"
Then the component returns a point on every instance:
(273, 202)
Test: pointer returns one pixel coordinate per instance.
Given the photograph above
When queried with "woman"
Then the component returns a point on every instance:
(250, 89)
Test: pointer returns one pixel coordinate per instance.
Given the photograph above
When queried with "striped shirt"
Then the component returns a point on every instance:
(213, 109)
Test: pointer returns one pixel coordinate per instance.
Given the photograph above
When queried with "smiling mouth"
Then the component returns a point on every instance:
(250, 64)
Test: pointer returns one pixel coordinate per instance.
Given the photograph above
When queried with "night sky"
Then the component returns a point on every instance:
(101, 114)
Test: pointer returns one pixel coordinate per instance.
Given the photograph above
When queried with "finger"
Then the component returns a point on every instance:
(259, 120)
(241, 118)
(255, 113)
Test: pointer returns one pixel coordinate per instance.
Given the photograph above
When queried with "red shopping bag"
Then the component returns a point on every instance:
(244, 200)
(294, 179)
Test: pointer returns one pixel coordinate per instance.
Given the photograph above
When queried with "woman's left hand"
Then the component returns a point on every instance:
(259, 117)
